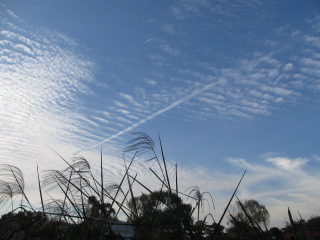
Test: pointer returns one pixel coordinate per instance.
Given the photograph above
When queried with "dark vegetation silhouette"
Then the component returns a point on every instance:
(302, 229)
(248, 219)
(161, 215)
(75, 203)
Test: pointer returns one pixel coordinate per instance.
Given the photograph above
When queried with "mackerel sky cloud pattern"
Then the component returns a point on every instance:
(231, 86)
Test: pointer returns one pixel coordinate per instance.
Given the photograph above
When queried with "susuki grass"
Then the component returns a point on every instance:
(75, 203)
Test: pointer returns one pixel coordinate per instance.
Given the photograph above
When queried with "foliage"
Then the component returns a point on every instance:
(257, 212)
(27, 225)
(202, 231)
(313, 224)
(84, 207)
(96, 209)
(247, 218)
(161, 213)
(87, 208)
(303, 228)
(78, 214)
(276, 233)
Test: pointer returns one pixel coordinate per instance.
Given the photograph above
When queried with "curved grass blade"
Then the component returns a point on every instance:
(225, 210)
(40, 191)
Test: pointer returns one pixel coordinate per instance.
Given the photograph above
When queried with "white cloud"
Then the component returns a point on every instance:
(102, 120)
(23, 49)
(288, 164)
(123, 111)
(168, 49)
(271, 43)
(279, 100)
(315, 41)
(178, 102)
(310, 71)
(280, 185)
(150, 81)
(124, 120)
(310, 62)
(288, 67)
(273, 73)
(40, 107)
(41, 83)
(176, 11)
(168, 28)
(130, 99)
(277, 90)
(316, 157)
(209, 101)
(261, 95)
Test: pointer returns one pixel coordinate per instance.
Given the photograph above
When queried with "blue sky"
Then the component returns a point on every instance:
(231, 85)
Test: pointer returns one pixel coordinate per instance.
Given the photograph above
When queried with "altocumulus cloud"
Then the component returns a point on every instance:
(43, 76)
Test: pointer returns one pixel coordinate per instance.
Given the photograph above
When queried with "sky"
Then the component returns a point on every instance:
(230, 85)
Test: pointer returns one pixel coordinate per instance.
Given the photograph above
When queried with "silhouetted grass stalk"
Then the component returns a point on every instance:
(76, 185)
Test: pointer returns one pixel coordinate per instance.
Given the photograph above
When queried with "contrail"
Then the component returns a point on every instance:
(150, 117)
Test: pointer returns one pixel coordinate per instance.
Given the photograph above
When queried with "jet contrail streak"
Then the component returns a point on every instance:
(142, 121)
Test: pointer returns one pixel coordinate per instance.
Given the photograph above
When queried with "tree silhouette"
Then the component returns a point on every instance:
(246, 219)
(160, 215)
